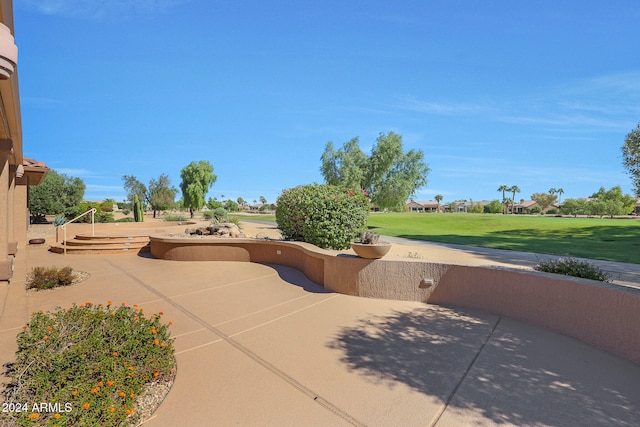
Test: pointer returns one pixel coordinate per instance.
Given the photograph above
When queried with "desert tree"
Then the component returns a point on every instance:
(631, 157)
(544, 200)
(389, 175)
(503, 188)
(133, 187)
(162, 194)
(438, 198)
(197, 179)
(513, 190)
(57, 194)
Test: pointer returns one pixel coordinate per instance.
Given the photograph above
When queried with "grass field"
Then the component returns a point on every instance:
(605, 239)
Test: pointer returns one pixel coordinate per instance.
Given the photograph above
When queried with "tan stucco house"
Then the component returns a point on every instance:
(16, 172)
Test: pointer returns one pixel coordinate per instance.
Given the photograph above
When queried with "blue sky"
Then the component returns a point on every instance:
(537, 94)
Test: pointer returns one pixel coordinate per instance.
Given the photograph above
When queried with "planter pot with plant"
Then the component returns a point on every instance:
(370, 246)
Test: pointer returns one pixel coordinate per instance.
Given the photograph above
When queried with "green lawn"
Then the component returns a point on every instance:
(606, 239)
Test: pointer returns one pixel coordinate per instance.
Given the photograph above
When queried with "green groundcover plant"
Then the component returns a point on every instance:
(86, 366)
(573, 267)
(327, 216)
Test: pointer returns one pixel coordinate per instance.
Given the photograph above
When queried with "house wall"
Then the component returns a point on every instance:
(10, 158)
(6, 260)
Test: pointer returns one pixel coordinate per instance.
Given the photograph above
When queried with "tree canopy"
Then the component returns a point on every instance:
(162, 194)
(612, 202)
(388, 174)
(58, 194)
(544, 200)
(197, 179)
(134, 187)
(631, 157)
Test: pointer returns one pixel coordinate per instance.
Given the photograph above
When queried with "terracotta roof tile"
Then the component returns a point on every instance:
(27, 162)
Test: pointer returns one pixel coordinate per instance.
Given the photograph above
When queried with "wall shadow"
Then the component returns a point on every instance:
(297, 278)
(523, 376)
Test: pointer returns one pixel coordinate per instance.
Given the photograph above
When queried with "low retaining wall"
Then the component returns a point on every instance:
(600, 314)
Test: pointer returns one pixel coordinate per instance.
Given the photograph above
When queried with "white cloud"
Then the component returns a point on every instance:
(101, 8)
(432, 107)
(74, 172)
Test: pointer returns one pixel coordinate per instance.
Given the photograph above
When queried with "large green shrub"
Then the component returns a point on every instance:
(99, 216)
(327, 216)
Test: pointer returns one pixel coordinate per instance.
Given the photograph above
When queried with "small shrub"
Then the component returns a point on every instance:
(126, 211)
(573, 267)
(99, 216)
(59, 220)
(175, 218)
(235, 220)
(327, 216)
(126, 219)
(49, 277)
(94, 360)
(369, 238)
(220, 215)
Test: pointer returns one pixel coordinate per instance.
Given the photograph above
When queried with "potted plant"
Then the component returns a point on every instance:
(369, 246)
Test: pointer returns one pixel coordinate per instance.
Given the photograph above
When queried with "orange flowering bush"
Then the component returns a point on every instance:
(92, 360)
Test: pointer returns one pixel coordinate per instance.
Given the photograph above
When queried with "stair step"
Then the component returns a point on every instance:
(123, 237)
(99, 249)
(139, 242)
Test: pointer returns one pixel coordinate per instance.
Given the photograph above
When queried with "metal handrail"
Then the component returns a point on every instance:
(91, 211)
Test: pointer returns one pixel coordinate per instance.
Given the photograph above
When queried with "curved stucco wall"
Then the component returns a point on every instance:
(600, 314)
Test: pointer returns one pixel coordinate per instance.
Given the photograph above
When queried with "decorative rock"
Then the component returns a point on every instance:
(224, 229)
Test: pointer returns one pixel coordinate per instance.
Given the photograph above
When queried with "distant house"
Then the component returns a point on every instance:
(465, 206)
(428, 206)
(525, 206)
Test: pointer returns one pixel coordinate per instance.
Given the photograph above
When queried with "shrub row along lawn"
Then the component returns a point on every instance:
(594, 238)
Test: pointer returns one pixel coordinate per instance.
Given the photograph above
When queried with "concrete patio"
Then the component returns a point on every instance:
(262, 345)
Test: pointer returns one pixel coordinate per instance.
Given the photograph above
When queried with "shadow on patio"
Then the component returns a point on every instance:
(515, 374)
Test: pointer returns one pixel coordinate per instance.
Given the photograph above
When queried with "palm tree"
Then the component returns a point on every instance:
(514, 189)
(438, 200)
(503, 188)
(560, 191)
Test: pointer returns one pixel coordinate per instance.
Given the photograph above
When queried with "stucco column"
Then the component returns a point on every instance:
(11, 218)
(20, 215)
(6, 261)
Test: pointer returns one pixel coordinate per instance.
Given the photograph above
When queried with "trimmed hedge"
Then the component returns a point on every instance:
(327, 216)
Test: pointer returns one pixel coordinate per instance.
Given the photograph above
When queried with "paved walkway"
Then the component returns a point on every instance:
(260, 345)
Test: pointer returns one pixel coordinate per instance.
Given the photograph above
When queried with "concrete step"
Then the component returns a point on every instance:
(102, 236)
(103, 244)
(121, 241)
(99, 249)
